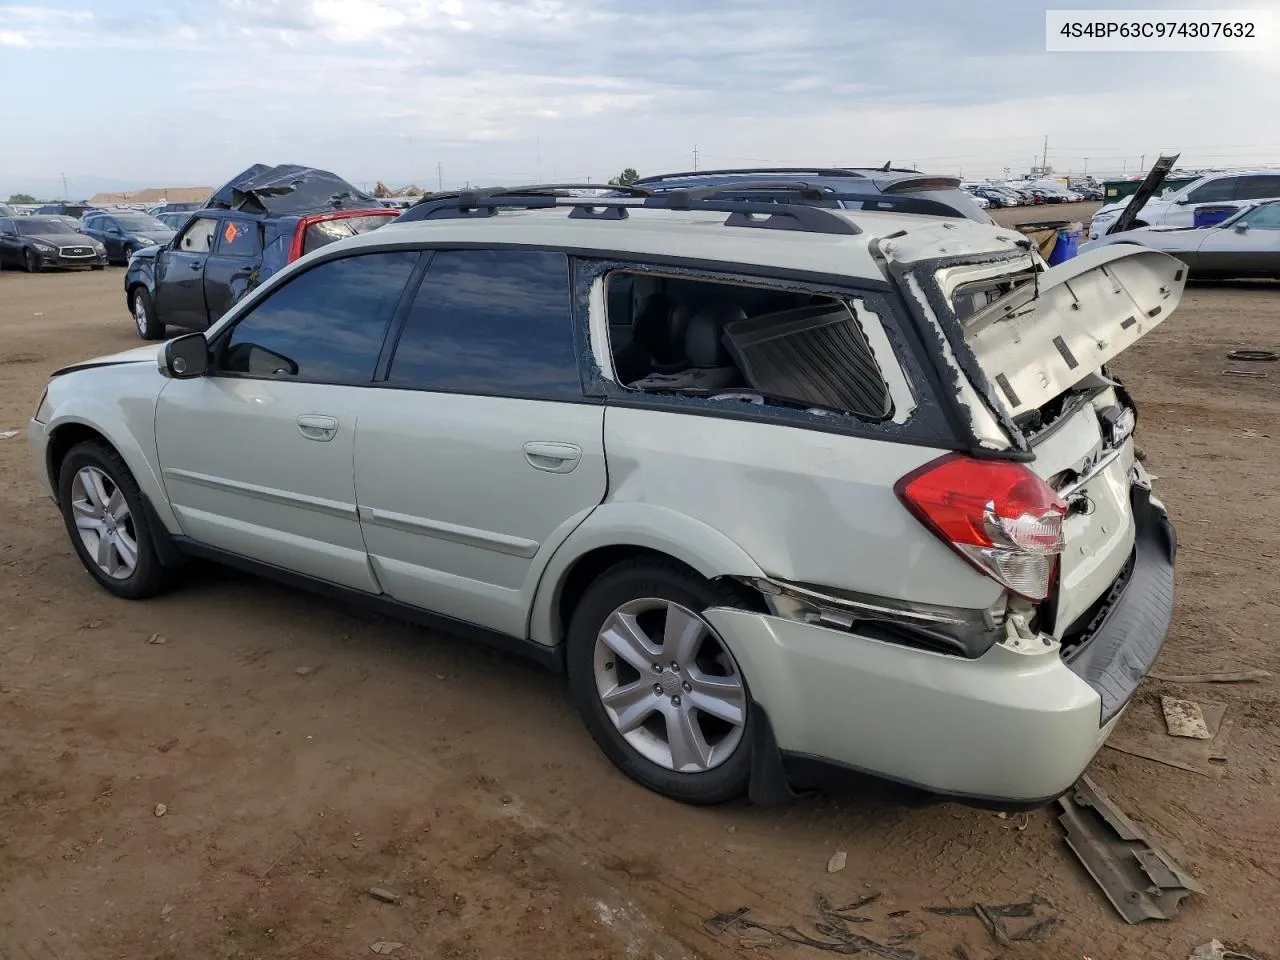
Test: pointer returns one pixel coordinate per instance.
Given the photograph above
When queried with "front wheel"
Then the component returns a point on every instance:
(144, 315)
(102, 509)
(30, 261)
(657, 687)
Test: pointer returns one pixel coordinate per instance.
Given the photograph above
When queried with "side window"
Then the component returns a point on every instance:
(198, 237)
(1260, 187)
(1215, 191)
(708, 338)
(239, 238)
(7, 228)
(325, 324)
(491, 322)
(1266, 217)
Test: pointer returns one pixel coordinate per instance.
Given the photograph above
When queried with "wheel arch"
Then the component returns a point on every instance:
(88, 423)
(618, 532)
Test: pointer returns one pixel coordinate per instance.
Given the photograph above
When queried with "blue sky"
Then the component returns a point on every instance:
(169, 92)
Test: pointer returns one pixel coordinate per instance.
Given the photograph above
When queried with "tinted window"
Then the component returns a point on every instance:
(237, 238)
(491, 322)
(1266, 217)
(198, 238)
(1215, 191)
(136, 223)
(6, 226)
(325, 324)
(1258, 188)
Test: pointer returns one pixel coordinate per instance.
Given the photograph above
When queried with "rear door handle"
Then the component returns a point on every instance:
(197, 265)
(552, 456)
(317, 427)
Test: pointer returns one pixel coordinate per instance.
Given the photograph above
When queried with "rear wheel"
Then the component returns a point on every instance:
(30, 261)
(144, 315)
(102, 509)
(657, 687)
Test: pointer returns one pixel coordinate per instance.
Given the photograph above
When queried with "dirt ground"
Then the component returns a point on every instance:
(460, 780)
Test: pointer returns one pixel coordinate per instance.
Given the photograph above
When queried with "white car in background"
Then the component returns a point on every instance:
(1177, 208)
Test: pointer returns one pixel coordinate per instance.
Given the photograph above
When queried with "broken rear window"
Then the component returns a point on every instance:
(716, 339)
(324, 232)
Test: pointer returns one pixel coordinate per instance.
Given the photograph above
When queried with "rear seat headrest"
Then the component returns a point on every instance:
(704, 338)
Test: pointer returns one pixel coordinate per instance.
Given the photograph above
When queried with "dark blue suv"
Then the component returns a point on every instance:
(941, 196)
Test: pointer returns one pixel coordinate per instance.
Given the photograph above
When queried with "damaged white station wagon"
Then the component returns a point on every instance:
(780, 486)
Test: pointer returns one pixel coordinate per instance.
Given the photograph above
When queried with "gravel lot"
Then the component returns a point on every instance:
(460, 780)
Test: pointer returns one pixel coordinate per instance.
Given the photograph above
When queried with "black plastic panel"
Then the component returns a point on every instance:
(1122, 645)
(815, 355)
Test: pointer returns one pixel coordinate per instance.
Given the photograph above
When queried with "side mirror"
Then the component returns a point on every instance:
(1183, 202)
(185, 357)
(1242, 228)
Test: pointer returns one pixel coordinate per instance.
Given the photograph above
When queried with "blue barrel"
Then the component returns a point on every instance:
(1068, 246)
(1208, 216)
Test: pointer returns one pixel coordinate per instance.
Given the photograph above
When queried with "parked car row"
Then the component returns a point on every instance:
(1023, 193)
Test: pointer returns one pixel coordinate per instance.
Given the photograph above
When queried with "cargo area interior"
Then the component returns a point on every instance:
(737, 341)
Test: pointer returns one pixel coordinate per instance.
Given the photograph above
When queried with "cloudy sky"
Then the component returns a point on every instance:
(120, 93)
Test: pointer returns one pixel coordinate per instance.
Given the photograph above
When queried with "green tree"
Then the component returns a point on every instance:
(625, 178)
(21, 198)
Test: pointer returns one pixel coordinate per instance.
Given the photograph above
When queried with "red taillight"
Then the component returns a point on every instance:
(998, 515)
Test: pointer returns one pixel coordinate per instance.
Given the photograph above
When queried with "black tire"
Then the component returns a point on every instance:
(666, 580)
(149, 328)
(30, 261)
(149, 576)
(125, 253)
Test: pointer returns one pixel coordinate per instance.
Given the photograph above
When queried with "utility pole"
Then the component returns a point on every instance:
(439, 178)
(1086, 164)
(1044, 160)
(1142, 162)
(65, 195)
(695, 156)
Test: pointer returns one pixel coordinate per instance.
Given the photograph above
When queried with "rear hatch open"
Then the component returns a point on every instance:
(1029, 347)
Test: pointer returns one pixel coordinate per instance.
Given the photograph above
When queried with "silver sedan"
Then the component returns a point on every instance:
(1246, 244)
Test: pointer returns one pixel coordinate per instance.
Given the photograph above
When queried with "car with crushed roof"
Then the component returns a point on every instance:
(255, 224)
(782, 487)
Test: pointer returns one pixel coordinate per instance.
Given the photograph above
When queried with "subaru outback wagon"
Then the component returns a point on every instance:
(775, 485)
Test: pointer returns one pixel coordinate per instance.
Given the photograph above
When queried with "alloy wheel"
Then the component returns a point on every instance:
(669, 685)
(140, 313)
(104, 522)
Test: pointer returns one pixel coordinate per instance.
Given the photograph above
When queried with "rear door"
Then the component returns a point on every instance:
(232, 267)
(257, 456)
(1217, 192)
(478, 454)
(179, 296)
(9, 242)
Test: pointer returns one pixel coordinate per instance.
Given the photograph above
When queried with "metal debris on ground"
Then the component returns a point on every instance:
(1184, 719)
(384, 947)
(1140, 879)
(1217, 950)
(157, 638)
(1144, 733)
(993, 916)
(386, 896)
(1256, 355)
(831, 928)
(1253, 374)
(1232, 676)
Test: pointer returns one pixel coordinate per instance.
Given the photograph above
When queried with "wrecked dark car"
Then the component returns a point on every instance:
(256, 223)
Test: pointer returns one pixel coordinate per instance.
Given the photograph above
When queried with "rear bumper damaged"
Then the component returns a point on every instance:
(1007, 729)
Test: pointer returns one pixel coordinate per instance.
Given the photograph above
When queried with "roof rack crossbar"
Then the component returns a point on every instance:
(679, 199)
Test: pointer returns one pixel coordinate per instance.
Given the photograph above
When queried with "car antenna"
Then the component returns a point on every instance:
(887, 165)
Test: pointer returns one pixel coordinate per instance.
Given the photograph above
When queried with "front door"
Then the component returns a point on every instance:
(257, 457)
(9, 242)
(233, 265)
(1248, 246)
(1220, 192)
(478, 454)
(179, 298)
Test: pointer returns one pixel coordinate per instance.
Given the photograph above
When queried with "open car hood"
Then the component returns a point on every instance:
(1035, 346)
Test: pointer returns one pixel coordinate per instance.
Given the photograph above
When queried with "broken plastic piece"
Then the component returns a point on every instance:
(1140, 879)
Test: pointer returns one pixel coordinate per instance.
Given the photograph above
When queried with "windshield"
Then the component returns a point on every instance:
(41, 226)
(140, 224)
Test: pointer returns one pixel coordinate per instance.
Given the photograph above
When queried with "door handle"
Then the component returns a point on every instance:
(551, 456)
(197, 265)
(317, 427)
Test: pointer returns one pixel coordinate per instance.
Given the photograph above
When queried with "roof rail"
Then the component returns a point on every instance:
(534, 189)
(763, 214)
(793, 192)
(815, 171)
